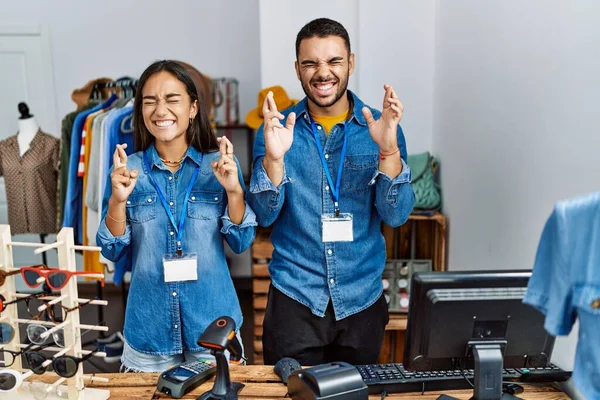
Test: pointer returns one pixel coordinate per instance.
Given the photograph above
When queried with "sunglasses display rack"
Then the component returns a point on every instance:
(72, 328)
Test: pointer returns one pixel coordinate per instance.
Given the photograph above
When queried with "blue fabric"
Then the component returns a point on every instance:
(303, 267)
(119, 130)
(167, 318)
(73, 212)
(565, 284)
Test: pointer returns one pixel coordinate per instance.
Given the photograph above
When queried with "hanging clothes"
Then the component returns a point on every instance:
(91, 259)
(92, 135)
(72, 215)
(31, 183)
(565, 283)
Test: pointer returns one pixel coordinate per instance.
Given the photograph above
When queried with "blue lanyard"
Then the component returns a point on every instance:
(179, 228)
(335, 190)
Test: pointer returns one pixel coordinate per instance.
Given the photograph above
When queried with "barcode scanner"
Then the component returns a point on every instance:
(218, 337)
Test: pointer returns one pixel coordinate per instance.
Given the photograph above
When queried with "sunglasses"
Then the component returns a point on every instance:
(33, 307)
(7, 333)
(55, 278)
(26, 299)
(65, 309)
(65, 366)
(10, 380)
(9, 356)
(4, 274)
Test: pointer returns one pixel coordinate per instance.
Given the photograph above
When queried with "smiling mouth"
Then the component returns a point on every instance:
(164, 124)
(324, 88)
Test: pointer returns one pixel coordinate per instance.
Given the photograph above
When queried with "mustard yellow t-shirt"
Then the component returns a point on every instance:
(328, 122)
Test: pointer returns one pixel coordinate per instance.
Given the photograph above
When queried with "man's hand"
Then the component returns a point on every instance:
(384, 131)
(278, 139)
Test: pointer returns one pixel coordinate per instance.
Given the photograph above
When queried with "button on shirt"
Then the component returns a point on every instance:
(565, 284)
(302, 266)
(166, 318)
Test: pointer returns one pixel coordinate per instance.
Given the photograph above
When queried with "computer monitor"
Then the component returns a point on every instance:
(474, 320)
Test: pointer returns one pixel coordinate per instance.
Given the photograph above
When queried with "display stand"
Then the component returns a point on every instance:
(71, 325)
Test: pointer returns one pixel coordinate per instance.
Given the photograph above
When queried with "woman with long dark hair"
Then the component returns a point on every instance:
(171, 203)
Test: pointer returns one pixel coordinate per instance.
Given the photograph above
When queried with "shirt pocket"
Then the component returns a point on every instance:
(358, 172)
(587, 299)
(141, 208)
(205, 205)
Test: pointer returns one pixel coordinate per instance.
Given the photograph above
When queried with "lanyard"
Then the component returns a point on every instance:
(335, 190)
(163, 200)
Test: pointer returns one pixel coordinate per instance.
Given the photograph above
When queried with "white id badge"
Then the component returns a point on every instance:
(337, 229)
(184, 268)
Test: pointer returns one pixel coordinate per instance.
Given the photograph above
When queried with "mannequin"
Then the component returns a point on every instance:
(29, 166)
(28, 128)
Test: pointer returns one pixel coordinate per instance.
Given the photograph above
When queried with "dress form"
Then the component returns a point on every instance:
(28, 128)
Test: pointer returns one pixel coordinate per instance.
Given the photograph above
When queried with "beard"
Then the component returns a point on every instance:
(342, 85)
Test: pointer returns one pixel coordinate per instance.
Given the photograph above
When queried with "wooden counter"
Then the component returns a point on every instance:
(262, 383)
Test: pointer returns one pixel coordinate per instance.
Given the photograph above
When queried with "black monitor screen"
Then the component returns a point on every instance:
(451, 311)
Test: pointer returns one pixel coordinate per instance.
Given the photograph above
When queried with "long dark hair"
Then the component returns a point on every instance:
(199, 134)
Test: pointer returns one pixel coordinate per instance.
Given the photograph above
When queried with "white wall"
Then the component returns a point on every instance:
(280, 22)
(392, 42)
(516, 108)
(117, 38)
(396, 46)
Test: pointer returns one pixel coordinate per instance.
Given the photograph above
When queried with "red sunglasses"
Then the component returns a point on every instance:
(55, 278)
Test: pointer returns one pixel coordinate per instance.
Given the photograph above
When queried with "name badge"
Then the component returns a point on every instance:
(337, 229)
(178, 269)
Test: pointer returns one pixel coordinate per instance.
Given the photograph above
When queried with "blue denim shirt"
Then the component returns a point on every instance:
(166, 318)
(565, 284)
(303, 267)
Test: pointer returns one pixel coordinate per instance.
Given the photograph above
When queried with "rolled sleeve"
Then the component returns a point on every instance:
(113, 247)
(264, 196)
(394, 198)
(239, 236)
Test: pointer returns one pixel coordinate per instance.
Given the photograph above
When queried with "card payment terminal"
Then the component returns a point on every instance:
(177, 381)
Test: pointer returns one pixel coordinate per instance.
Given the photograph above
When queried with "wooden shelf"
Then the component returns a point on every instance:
(397, 322)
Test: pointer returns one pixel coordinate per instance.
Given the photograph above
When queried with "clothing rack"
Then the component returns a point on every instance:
(71, 325)
(127, 84)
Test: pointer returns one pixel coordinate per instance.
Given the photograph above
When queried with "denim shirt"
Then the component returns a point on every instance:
(302, 266)
(565, 283)
(166, 318)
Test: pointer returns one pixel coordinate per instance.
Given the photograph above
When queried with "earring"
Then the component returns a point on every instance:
(191, 120)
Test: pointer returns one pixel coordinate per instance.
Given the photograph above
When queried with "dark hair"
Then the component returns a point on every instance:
(199, 134)
(322, 27)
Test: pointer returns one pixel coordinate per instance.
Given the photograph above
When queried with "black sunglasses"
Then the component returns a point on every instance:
(65, 366)
(8, 356)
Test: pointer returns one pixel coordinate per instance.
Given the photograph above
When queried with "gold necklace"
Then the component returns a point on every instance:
(173, 162)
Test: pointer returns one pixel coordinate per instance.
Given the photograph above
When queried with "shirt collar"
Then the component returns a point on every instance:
(154, 159)
(302, 109)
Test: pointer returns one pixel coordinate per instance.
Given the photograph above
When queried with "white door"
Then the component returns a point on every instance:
(25, 75)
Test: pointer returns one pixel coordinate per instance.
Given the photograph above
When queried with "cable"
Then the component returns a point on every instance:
(462, 372)
(383, 395)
